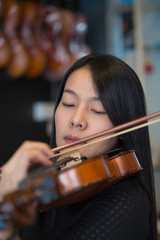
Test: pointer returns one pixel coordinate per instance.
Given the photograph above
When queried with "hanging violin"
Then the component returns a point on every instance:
(78, 46)
(18, 61)
(4, 45)
(37, 57)
(57, 53)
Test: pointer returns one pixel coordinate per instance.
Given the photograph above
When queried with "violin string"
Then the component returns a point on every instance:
(108, 137)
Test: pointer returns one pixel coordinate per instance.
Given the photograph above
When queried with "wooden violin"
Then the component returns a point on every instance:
(57, 54)
(4, 45)
(54, 187)
(78, 46)
(68, 20)
(37, 57)
(58, 185)
(18, 62)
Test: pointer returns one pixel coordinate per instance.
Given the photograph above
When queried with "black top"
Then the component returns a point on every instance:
(120, 212)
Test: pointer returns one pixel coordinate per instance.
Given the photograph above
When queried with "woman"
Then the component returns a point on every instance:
(99, 92)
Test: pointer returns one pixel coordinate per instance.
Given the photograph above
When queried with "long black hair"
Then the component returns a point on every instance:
(122, 96)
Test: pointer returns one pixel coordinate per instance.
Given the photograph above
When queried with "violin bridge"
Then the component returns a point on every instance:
(69, 159)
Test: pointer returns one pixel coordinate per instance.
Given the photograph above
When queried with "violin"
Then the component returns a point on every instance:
(54, 187)
(68, 20)
(37, 57)
(4, 45)
(18, 62)
(78, 46)
(60, 185)
(57, 53)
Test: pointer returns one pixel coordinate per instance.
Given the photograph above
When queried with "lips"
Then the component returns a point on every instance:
(70, 138)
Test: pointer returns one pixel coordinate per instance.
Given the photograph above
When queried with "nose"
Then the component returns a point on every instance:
(78, 121)
(77, 124)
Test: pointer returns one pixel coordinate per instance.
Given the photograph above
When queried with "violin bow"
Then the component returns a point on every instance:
(115, 131)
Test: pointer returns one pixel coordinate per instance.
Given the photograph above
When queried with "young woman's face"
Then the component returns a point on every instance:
(80, 114)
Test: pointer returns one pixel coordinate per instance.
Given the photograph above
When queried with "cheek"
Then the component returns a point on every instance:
(102, 146)
(108, 144)
(104, 124)
(58, 123)
(99, 148)
(59, 118)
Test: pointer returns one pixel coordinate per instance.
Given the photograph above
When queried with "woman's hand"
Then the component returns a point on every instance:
(15, 170)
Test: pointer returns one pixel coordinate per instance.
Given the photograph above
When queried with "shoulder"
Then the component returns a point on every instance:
(120, 212)
(123, 202)
(127, 191)
(126, 195)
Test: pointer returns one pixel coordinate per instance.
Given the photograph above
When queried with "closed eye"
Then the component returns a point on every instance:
(68, 104)
(97, 112)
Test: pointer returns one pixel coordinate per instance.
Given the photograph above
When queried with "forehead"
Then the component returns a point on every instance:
(81, 80)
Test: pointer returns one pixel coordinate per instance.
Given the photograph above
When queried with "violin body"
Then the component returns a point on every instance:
(55, 49)
(18, 62)
(4, 45)
(52, 188)
(4, 50)
(37, 57)
(78, 46)
(92, 176)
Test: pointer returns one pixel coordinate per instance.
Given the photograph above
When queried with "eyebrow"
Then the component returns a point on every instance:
(94, 98)
(69, 91)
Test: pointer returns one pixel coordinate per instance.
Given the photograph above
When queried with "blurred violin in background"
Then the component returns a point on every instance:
(19, 60)
(40, 40)
(77, 44)
(40, 30)
(58, 56)
(37, 57)
(68, 19)
(37, 39)
(4, 46)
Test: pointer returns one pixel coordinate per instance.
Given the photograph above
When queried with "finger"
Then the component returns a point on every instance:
(44, 147)
(37, 156)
